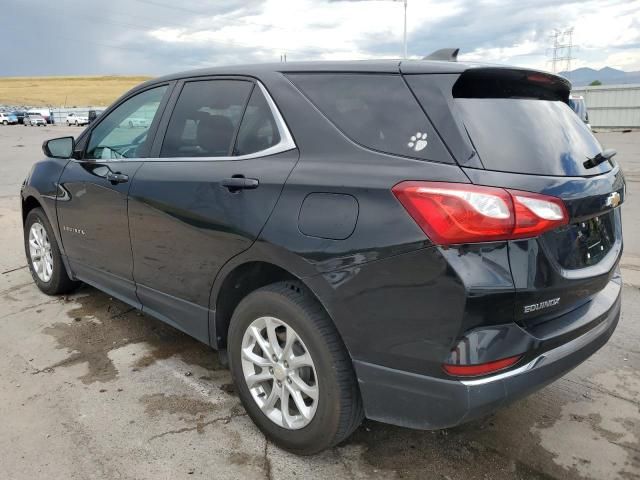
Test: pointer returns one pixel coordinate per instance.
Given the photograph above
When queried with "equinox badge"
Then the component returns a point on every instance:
(539, 306)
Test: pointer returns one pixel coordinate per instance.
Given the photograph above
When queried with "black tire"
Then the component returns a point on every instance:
(339, 410)
(5, 122)
(59, 282)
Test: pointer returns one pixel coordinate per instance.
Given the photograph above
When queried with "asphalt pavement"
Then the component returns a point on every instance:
(90, 388)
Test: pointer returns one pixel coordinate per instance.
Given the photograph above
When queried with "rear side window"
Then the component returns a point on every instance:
(258, 130)
(205, 119)
(377, 111)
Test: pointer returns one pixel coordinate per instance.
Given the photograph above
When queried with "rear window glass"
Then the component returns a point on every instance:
(377, 111)
(529, 136)
(519, 121)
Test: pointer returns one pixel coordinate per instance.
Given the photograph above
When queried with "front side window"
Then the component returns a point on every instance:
(205, 118)
(123, 133)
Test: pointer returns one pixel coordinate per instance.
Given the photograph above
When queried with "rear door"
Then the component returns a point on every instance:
(515, 129)
(215, 176)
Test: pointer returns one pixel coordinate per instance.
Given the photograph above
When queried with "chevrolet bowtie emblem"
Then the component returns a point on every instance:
(613, 200)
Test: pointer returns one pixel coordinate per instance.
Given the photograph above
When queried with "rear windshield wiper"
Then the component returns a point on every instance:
(607, 155)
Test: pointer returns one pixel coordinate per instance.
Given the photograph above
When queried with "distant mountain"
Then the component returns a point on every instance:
(607, 75)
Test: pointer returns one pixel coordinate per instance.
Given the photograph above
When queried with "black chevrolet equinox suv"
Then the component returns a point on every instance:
(415, 242)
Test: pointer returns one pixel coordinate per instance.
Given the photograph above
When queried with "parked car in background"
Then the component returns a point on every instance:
(34, 119)
(348, 255)
(45, 113)
(75, 119)
(136, 122)
(93, 114)
(19, 115)
(8, 118)
(579, 106)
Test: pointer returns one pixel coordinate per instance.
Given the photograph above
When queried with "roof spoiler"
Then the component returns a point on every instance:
(444, 55)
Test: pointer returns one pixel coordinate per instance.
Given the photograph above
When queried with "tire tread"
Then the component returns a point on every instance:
(352, 411)
(60, 282)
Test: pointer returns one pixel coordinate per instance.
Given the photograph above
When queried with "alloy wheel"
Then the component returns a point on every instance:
(40, 252)
(279, 373)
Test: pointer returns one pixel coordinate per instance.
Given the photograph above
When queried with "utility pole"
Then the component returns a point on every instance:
(404, 37)
(405, 29)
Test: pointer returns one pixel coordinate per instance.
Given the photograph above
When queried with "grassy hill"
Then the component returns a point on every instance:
(68, 91)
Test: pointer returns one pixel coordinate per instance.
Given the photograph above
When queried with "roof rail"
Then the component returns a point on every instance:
(444, 54)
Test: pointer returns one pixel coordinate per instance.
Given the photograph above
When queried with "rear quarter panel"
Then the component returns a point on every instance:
(391, 293)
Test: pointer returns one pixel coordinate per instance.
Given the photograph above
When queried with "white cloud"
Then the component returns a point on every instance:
(627, 60)
(156, 36)
(601, 29)
(330, 30)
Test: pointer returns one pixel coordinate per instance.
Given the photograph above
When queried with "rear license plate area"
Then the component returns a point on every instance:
(583, 244)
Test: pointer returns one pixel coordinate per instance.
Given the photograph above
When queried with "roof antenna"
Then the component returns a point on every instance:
(444, 55)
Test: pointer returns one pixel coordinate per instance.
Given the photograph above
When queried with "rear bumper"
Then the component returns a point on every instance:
(424, 402)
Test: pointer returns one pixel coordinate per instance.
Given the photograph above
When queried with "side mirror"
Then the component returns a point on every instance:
(59, 147)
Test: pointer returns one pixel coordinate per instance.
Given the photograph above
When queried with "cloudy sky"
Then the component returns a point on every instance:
(45, 37)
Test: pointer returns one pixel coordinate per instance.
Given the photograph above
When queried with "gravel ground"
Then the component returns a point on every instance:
(90, 388)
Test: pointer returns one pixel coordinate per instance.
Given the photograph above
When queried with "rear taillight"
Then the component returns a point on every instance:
(451, 213)
(480, 368)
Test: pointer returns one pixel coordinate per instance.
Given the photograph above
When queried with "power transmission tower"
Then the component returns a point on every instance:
(561, 50)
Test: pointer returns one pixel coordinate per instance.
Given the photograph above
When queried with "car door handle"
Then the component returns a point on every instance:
(116, 178)
(240, 183)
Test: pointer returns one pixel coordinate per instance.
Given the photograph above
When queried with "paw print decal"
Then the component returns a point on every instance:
(418, 141)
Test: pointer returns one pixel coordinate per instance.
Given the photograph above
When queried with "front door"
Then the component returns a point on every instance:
(92, 213)
(217, 175)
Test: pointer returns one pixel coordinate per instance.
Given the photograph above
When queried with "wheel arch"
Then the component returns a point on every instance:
(238, 281)
(29, 203)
